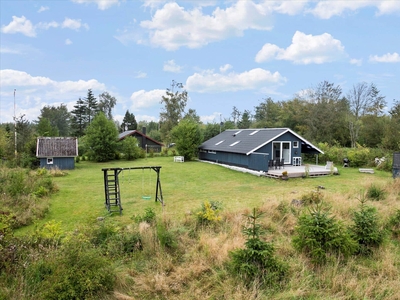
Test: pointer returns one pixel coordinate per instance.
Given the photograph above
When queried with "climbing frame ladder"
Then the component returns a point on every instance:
(112, 190)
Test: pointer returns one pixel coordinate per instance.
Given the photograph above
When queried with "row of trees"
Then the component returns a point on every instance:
(320, 114)
(325, 114)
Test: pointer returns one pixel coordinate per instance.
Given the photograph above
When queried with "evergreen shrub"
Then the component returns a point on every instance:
(366, 230)
(257, 261)
(319, 234)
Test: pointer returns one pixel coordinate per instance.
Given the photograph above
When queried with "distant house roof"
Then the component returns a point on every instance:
(127, 133)
(247, 141)
(57, 147)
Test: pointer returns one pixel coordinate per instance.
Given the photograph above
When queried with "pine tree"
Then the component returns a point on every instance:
(129, 122)
(91, 106)
(79, 118)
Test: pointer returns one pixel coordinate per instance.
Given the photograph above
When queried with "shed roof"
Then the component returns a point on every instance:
(127, 133)
(57, 147)
(247, 141)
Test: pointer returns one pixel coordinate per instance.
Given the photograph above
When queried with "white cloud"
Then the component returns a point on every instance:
(171, 66)
(24, 26)
(33, 92)
(68, 42)
(305, 49)
(19, 78)
(43, 8)
(357, 62)
(388, 7)
(7, 50)
(173, 27)
(225, 68)
(289, 7)
(73, 24)
(140, 74)
(328, 9)
(19, 25)
(141, 99)
(208, 81)
(215, 117)
(47, 25)
(101, 4)
(386, 58)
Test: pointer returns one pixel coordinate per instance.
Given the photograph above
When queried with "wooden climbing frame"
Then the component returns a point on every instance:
(112, 189)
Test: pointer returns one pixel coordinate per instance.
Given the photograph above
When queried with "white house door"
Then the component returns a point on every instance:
(281, 150)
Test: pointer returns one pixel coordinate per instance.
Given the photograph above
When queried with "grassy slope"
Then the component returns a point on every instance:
(199, 273)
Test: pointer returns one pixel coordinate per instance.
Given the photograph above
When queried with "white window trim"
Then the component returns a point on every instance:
(295, 144)
(50, 160)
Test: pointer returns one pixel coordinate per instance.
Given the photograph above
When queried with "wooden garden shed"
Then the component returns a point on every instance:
(145, 142)
(57, 152)
(256, 149)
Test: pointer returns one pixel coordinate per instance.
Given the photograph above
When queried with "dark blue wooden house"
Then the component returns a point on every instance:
(256, 149)
(57, 152)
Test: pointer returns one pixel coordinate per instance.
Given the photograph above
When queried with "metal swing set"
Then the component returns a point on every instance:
(112, 189)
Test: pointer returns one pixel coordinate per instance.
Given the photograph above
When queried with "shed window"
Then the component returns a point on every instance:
(212, 152)
(296, 144)
(233, 144)
(49, 160)
(220, 142)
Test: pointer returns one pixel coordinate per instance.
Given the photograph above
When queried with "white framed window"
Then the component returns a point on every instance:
(49, 160)
(295, 144)
(212, 152)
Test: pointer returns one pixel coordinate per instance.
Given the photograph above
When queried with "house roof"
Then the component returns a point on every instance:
(57, 147)
(127, 133)
(247, 141)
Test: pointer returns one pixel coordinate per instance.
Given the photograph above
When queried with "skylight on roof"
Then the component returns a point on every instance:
(233, 144)
(254, 132)
(236, 133)
(219, 143)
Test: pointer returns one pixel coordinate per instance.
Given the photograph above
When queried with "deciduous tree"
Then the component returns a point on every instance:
(187, 137)
(174, 106)
(106, 104)
(101, 137)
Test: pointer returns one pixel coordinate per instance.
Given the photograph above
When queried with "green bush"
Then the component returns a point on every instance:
(313, 197)
(209, 212)
(7, 256)
(366, 230)
(318, 234)
(257, 261)
(375, 193)
(166, 237)
(75, 271)
(149, 216)
(394, 224)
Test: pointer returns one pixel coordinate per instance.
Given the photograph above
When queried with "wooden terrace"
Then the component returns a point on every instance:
(300, 171)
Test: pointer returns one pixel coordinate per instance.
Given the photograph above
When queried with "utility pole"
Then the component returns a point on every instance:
(15, 129)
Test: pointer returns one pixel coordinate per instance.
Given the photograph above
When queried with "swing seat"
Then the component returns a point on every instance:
(146, 197)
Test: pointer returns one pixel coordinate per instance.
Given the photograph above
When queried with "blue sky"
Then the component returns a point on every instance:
(226, 53)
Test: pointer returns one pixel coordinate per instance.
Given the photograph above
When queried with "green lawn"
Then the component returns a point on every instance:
(185, 186)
